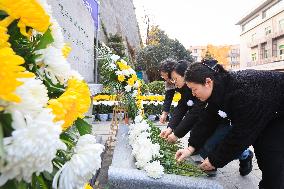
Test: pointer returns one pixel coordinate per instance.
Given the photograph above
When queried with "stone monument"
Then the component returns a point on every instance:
(78, 29)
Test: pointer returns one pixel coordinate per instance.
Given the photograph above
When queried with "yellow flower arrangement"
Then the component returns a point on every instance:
(29, 13)
(10, 72)
(104, 98)
(121, 78)
(122, 66)
(72, 104)
(131, 81)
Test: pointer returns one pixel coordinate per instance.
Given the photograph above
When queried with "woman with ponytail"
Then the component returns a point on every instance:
(253, 103)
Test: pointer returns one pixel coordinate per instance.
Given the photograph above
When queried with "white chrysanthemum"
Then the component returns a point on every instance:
(83, 164)
(136, 85)
(154, 169)
(127, 88)
(222, 114)
(131, 71)
(56, 64)
(57, 34)
(138, 119)
(32, 147)
(118, 73)
(33, 95)
(125, 72)
(115, 57)
(190, 103)
(113, 66)
(174, 104)
(123, 61)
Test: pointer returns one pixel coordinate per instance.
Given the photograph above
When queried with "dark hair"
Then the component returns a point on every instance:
(199, 71)
(167, 66)
(181, 67)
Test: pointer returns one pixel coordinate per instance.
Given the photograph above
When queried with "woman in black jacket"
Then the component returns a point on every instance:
(180, 124)
(166, 68)
(253, 101)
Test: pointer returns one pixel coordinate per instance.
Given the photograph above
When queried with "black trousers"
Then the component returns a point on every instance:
(269, 151)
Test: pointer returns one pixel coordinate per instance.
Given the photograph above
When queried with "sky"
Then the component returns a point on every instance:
(196, 22)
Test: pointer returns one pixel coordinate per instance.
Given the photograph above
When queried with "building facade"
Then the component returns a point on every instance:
(197, 52)
(233, 56)
(262, 37)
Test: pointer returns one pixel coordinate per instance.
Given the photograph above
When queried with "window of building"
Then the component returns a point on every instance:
(268, 30)
(253, 56)
(195, 50)
(281, 52)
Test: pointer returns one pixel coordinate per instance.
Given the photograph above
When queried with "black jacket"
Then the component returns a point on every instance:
(249, 100)
(168, 99)
(178, 123)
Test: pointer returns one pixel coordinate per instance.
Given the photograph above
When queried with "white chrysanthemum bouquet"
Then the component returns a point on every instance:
(154, 154)
(43, 136)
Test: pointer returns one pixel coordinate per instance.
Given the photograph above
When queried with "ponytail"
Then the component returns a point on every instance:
(199, 71)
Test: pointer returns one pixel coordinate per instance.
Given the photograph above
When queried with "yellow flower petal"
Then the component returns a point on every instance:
(29, 12)
(72, 104)
(10, 71)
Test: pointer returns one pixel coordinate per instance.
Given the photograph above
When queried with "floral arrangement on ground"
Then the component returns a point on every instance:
(159, 156)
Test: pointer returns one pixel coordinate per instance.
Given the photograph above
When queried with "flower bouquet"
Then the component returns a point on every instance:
(44, 140)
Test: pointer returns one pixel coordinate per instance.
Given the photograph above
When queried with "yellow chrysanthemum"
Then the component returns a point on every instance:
(29, 12)
(121, 78)
(10, 71)
(4, 37)
(131, 81)
(88, 186)
(72, 104)
(66, 50)
(122, 66)
(177, 97)
(134, 77)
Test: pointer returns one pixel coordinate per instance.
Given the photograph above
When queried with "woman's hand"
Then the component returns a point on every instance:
(172, 138)
(166, 132)
(206, 165)
(183, 153)
(163, 117)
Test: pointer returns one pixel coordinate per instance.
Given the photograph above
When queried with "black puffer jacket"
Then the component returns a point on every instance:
(185, 108)
(249, 100)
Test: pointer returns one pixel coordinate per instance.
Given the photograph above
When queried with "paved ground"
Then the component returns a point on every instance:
(228, 176)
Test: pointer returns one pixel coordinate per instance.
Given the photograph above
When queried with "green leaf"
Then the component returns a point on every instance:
(83, 127)
(67, 139)
(6, 121)
(1, 142)
(45, 40)
(9, 184)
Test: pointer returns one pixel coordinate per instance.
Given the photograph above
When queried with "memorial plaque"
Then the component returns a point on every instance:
(78, 29)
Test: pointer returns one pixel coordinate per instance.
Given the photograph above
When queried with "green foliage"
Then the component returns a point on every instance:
(151, 109)
(168, 161)
(102, 109)
(144, 88)
(83, 127)
(45, 40)
(160, 48)
(26, 48)
(157, 87)
(130, 105)
(115, 42)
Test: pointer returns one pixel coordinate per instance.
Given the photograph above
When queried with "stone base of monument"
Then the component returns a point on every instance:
(123, 173)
